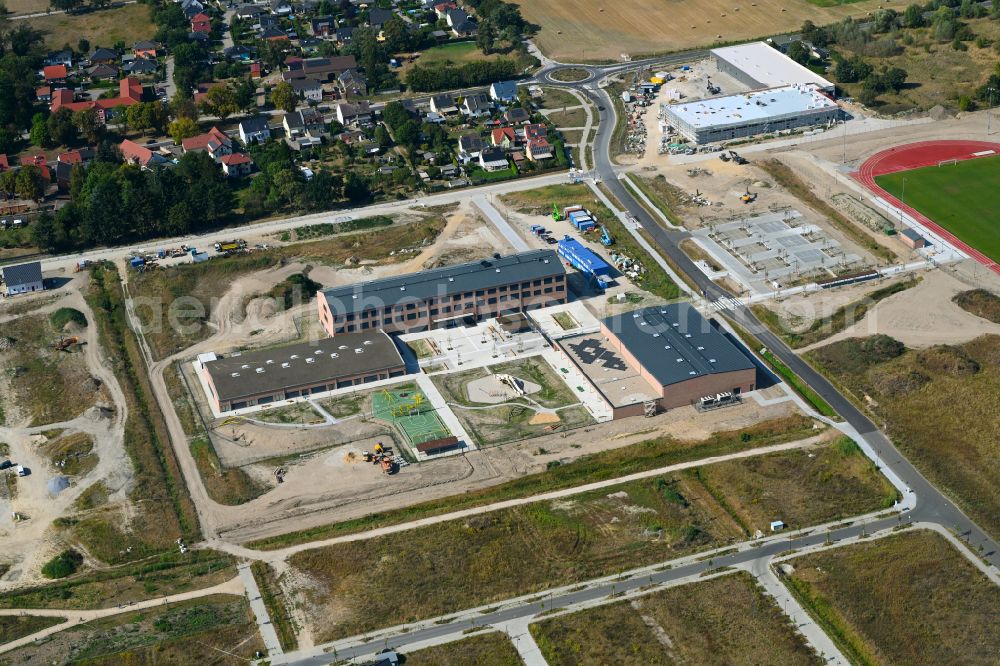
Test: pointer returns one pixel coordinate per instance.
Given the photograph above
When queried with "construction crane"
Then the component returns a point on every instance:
(606, 238)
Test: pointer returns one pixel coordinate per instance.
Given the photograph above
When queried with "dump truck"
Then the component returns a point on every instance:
(227, 246)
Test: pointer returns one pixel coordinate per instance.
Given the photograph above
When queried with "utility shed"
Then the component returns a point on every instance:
(271, 375)
(23, 278)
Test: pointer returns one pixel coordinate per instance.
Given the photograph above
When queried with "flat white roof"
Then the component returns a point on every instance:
(769, 66)
(750, 107)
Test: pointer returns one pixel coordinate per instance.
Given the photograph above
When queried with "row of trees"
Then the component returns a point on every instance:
(113, 203)
(429, 79)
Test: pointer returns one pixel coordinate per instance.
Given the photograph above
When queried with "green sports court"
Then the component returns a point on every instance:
(412, 412)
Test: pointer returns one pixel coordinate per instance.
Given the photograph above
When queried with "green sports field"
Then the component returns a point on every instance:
(411, 411)
(961, 198)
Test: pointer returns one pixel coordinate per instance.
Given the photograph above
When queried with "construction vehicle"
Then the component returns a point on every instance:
(65, 343)
(748, 196)
(230, 246)
(606, 238)
(737, 158)
(379, 449)
(556, 215)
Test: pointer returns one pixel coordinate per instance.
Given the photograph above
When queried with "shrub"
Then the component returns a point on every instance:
(63, 316)
(62, 565)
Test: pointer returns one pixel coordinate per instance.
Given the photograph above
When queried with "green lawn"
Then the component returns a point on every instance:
(959, 197)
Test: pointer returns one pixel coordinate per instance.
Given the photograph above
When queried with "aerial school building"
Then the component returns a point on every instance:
(783, 95)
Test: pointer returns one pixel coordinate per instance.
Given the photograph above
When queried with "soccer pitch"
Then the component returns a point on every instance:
(961, 197)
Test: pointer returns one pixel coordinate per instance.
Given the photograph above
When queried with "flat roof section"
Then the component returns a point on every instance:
(675, 343)
(619, 383)
(773, 103)
(444, 281)
(271, 370)
(769, 66)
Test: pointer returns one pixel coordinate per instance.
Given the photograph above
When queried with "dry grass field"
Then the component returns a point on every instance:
(590, 31)
(906, 599)
(103, 28)
(493, 649)
(725, 620)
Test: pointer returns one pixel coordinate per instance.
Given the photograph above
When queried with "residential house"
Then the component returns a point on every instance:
(274, 34)
(236, 165)
(70, 157)
(105, 72)
(129, 93)
(191, 8)
(248, 12)
(43, 94)
(354, 114)
(443, 104)
(146, 49)
(4, 163)
(254, 129)
(378, 17)
(449, 171)
(503, 91)
(322, 26)
(535, 131)
(64, 57)
(442, 9)
(308, 89)
(55, 74)
(476, 104)
(353, 83)
(344, 35)
(352, 138)
(304, 122)
(516, 116)
(201, 22)
(434, 117)
(504, 137)
(469, 147)
(538, 149)
(202, 38)
(238, 52)
(255, 72)
(461, 24)
(143, 67)
(22, 278)
(320, 68)
(281, 8)
(139, 155)
(492, 159)
(102, 56)
(214, 142)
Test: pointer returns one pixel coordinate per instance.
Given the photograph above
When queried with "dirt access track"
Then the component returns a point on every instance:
(922, 154)
(595, 31)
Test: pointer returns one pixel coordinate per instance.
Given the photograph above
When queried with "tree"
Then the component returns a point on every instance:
(88, 124)
(183, 106)
(40, 131)
(64, 5)
(798, 52)
(356, 189)
(894, 79)
(913, 17)
(486, 37)
(83, 46)
(182, 128)
(885, 20)
(245, 94)
(382, 137)
(62, 130)
(395, 114)
(221, 101)
(30, 183)
(852, 70)
(8, 141)
(64, 564)
(396, 36)
(868, 95)
(283, 97)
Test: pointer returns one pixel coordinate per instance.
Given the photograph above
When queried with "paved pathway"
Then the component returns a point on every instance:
(267, 631)
(501, 224)
(524, 642)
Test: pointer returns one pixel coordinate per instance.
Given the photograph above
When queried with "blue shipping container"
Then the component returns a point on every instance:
(581, 258)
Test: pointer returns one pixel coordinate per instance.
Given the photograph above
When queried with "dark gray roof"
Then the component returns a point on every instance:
(332, 358)
(912, 234)
(675, 343)
(378, 17)
(444, 281)
(22, 273)
(254, 124)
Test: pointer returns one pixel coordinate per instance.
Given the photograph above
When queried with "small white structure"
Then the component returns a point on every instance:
(777, 525)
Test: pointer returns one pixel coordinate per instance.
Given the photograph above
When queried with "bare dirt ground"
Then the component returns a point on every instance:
(798, 310)
(27, 544)
(921, 316)
(593, 31)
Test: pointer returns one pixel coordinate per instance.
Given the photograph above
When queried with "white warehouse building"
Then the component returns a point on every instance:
(749, 114)
(758, 65)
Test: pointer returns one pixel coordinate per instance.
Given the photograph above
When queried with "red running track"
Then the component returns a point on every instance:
(914, 156)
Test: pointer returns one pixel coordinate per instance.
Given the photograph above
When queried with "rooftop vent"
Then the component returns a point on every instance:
(451, 279)
(711, 360)
(680, 360)
(367, 342)
(403, 288)
(334, 355)
(656, 335)
(294, 356)
(311, 359)
(692, 373)
(342, 347)
(235, 374)
(245, 366)
(687, 335)
(285, 365)
(359, 350)
(270, 362)
(260, 371)
(700, 348)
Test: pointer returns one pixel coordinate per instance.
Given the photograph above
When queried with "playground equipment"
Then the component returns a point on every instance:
(513, 382)
(411, 406)
(606, 238)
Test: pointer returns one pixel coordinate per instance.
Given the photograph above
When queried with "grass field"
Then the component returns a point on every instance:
(13, 627)
(492, 649)
(726, 620)
(979, 302)
(211, 630)
(940, 407)
(596, 31)
(357, 586)
(103, 28)
(906, 599)
(960, 197)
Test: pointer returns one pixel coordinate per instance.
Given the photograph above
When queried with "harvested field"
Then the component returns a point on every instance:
(492, 649)
(357, 586)
(594, 32)
(44, 385)
(724, 621)
(196, 631)
(909, 598)
(941, 407)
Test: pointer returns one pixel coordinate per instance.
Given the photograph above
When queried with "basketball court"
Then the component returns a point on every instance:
(412, 412)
